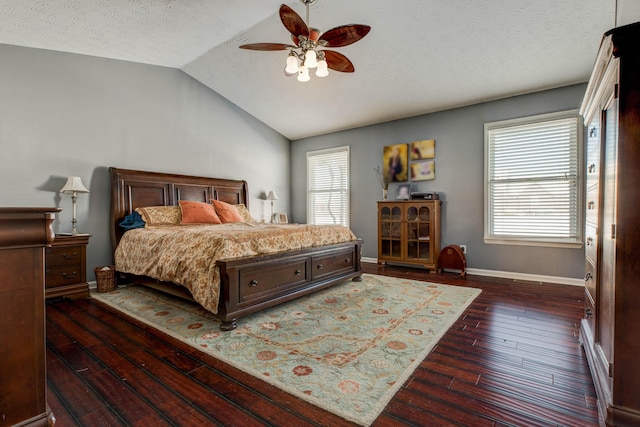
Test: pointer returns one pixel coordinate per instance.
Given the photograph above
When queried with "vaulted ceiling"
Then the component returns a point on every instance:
(420, 56)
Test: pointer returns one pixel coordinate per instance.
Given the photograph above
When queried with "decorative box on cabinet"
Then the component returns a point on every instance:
(24, 232)
(610, 332)
(66, 267)
(409, 232)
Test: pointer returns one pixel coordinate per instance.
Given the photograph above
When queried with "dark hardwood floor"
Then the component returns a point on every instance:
(512, 359)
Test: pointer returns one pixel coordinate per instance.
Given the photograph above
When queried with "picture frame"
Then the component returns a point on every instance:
(281, 218)
(404, 192)
(424, 149)
(423, 170)
(395, 162)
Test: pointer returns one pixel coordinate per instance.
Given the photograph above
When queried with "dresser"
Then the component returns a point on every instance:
(409, 232)
(24, 233)
(610, 330)
(66, 267)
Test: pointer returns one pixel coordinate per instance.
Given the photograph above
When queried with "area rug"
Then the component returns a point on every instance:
(346, 349)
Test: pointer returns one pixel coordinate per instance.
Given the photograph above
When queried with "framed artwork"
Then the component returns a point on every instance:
(404, 191)
(423, 171)
(425, 149)
(395, 162)
(281, 218)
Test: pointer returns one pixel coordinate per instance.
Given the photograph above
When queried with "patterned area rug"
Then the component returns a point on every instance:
(346, 349)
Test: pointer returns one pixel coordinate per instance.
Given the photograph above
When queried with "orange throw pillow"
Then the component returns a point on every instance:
(227, 212)
(198, 213)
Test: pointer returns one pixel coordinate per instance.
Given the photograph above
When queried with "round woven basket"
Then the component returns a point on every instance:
(106, 278)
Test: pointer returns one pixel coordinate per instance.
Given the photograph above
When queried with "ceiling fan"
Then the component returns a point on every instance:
(304, 53)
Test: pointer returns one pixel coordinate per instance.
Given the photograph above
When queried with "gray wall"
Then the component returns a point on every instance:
(459, 178)
(64, 114)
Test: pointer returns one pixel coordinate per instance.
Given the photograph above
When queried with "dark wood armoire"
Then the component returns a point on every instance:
(24, 233)
(610, 332)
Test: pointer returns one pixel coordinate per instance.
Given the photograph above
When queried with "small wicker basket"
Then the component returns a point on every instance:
(106, 278)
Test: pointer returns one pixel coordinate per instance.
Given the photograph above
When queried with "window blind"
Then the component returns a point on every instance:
(533, 179)
(328, 186)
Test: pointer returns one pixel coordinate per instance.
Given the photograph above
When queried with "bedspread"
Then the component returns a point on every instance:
(187, 254)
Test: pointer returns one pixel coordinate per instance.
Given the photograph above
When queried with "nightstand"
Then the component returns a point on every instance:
(66, 267)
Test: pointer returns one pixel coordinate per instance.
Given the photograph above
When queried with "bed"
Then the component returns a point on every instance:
(244, 284)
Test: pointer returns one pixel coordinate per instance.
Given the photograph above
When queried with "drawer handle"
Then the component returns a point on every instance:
(347, 260)
(72, 256)
(588, 277)
(253, 283)
(588, 312)
(298, 272)
(69, 276)
(320, 266)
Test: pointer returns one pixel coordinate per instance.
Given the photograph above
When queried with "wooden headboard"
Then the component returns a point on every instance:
(131, 189)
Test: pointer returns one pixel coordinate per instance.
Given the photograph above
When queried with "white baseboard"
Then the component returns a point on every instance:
(523, 277)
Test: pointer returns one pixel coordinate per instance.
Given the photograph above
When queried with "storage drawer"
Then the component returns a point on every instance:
(592, 205)
(264, 281)
(60, 276)
(590, 314)
(63, 255)
(590, 279)
(590, 243)
(593, 167)
(332, 263)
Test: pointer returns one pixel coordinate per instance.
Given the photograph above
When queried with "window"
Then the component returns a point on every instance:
(328, 186)
(533, 182)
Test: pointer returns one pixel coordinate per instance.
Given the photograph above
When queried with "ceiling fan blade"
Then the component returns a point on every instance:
(345, 35)
(338, 62)
(292, 22)
(267, 46)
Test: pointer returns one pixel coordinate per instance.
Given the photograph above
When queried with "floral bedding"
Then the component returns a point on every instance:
(187, 254)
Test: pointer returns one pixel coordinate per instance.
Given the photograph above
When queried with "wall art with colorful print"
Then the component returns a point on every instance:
(395, 162)
(423, 171)
(425, 149)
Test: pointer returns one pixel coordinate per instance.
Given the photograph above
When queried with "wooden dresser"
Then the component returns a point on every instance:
(610, 330)
(24, 233)
(66, 267)
(409, 232)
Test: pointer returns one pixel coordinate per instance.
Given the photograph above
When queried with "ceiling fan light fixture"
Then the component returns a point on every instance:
(323, 69)
(303, 74)
(311, 59)
(292, 64)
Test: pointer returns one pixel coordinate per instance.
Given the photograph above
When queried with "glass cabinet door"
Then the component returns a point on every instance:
(418, 232)
(391, 231)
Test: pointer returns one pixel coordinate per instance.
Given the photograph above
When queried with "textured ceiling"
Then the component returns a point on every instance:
(420, 56)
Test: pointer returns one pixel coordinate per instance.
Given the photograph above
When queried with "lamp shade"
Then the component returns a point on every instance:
(272, 196)
(74, 184)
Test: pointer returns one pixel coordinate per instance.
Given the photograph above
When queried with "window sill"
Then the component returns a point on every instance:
(545, 243)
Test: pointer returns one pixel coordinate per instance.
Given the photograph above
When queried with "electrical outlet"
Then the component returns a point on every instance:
(464, 249)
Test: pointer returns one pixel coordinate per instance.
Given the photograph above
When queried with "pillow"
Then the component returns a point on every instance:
(227, 212)
(198, 213)
(131, 221)
(244, 213)
(160, 215)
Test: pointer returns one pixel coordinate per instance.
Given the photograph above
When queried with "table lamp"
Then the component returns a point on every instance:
(74, 186)
(272, 196)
